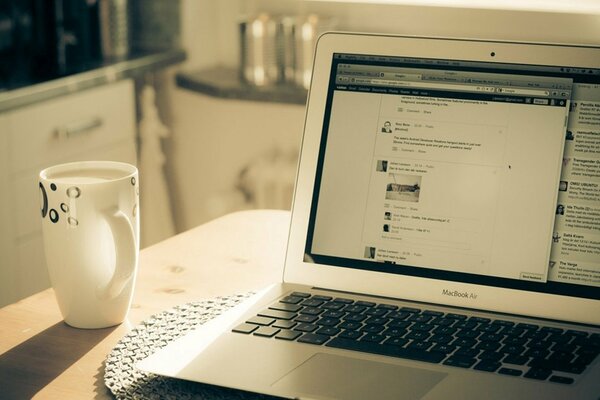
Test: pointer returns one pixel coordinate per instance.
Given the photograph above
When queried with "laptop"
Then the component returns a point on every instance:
(445, 232)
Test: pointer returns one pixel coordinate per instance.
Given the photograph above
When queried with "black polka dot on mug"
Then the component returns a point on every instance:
(53, 215)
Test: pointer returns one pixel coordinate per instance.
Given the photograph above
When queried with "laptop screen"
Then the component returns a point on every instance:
(473, 172)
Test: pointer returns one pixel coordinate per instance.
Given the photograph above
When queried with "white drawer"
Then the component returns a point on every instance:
(47, 133)
(26, 196)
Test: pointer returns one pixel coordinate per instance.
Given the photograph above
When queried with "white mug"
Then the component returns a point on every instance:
(90, 225)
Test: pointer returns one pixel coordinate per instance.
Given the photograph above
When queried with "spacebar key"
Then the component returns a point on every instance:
(386, 350)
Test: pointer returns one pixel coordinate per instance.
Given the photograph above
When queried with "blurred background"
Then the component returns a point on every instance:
(206, 97)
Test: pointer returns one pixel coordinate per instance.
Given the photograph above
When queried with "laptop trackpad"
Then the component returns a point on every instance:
(329, 376)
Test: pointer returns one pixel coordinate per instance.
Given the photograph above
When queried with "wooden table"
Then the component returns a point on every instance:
(41, 356)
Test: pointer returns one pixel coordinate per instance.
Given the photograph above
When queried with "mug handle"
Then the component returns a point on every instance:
(125, 252)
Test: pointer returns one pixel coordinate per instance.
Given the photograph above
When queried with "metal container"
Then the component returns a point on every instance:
(306, 32)
(258, 39)
(286, 48)
(114, 28)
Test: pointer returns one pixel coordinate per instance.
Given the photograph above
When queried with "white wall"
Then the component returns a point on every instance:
(213, 138)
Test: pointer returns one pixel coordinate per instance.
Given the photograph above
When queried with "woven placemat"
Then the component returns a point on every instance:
(127, 382)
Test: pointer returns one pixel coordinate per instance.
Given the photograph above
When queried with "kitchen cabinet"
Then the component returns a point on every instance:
(93, 124)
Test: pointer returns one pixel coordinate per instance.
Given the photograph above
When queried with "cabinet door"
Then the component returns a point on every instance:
(7, 260)
(51, 132)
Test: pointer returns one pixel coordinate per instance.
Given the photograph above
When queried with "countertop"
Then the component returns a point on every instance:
(134, 66)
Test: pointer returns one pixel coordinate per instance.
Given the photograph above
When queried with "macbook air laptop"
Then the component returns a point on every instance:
(445, 233)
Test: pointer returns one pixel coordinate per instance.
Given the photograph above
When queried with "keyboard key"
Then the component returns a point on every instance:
(400, 315)
(552, 329)
(420, 318)
(333, 314)
(312, 302)
(349, 334)
(311, 311)
(283, 324)
(419, 326)
(300, 294)
(392, 351)
(372, 337)
(351, 325)
(528, 326)
(503, 323)
(306, 327)
(491, 355)
(445, 330)
(396, 332)
(420, 345)
(333, 306)
(288, 335)
(266, 331)
(418, 335)
(309, 319)
(487, 346)
(514, 341)
(538, 373)
(410, 309)
(561, 379)
(291, 300)
(377, 321)
(515, 359)
(467, 333)
(444, 348)
(396, 341)
(328, 330)
(355, 317)
(323, 298)
(395, 323)
(490, 337)
(456, 316)
(459, 361)
(343, 300)
(433, 313)
(444, 322)
(512, 349)
(441, 339)
(245, 328)
(277, 314)
(487, 365)
(376, 312)
(355, 309)
(261, 321)
(373, 328)
(465, 342)
(328, 321)
(513, 332)
(510, 371)
(313, 338)
(365, 303)
(466, 352)
(285, 307)
(389, 307)
(542, 363)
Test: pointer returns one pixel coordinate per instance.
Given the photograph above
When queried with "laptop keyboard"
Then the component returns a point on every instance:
(483, 344)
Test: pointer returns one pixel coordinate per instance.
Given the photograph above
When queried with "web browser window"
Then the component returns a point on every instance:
(455, 170)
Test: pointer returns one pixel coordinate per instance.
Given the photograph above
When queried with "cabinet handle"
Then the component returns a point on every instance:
(77, 128)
